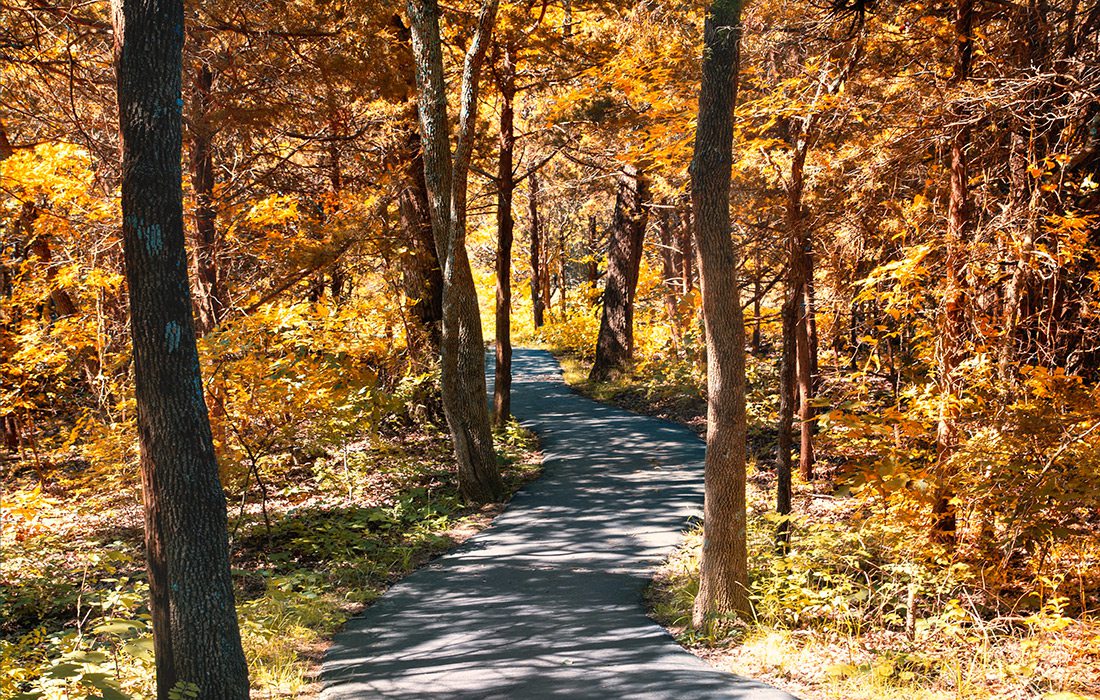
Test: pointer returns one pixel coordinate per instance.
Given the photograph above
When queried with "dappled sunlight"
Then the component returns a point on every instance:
(548, 601)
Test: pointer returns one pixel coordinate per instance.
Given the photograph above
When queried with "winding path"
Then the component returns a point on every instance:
(547, 602)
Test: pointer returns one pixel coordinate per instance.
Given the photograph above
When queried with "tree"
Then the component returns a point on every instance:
(952, 316)
(723, 568)
(195, 633)
(502, 383)
(462, 357)
(538, 305)
(615, 343)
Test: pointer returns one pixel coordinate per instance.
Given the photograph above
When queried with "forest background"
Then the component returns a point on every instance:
(915, 203)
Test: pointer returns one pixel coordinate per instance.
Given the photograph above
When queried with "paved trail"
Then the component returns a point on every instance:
(547, 602)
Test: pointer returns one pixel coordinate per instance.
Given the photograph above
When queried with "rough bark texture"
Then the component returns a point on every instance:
(209, 300)
(723, 574)
(615, 343)
(462, 357)
(423, 277)
(195, 632)
(537, 305)
(952, 317)
(502, 383)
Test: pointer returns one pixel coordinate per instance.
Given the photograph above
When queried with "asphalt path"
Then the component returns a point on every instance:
(547, 601)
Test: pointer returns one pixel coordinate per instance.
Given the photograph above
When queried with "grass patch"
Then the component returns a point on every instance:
(854, 611)
(335, 535)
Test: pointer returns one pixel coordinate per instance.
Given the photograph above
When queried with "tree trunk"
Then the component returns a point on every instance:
(195, 634)
(615, 343)
(423, 278)
(462, 353)
(670, 274)
(209, 301)
(502, 384)
(687, 251)
(800, 261)
(785, 428)
(952, 315)
(723, 573)
(593, 269)
(756, 299)
(537, 304)
(563, 264)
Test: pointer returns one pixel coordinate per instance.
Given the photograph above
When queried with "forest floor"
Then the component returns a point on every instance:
(548, 601)
(334, 532)
(828, 625)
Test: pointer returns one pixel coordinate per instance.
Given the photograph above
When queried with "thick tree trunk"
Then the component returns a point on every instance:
(952, 315)
(502, 384)
(462, 354)
(723, 573)
(195, 634)
(209, 300)
(615, 343)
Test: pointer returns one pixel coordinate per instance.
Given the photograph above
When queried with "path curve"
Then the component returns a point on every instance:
(547, 602)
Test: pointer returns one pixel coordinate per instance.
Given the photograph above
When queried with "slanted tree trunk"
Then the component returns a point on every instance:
(209, 300)
(502, 384)
(195, 634)
(462, 354)
(952, 315)
(615, 343)
(723, 572)
(537, 304)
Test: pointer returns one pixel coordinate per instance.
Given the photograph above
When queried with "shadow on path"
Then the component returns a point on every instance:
(547, 602)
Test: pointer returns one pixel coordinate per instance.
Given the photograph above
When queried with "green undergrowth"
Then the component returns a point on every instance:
(325, 543)
(863, 607)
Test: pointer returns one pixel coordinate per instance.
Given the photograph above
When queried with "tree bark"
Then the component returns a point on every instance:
(195, 634)
(502, 384)
(462, 353)
(800, 263)
(723, 572)
(952, 315)
(423, 277)
(537, 303)
(615, 343)
(670, 274)
(687, 249)
(593, 269)
(209, 302)
(785, 428)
